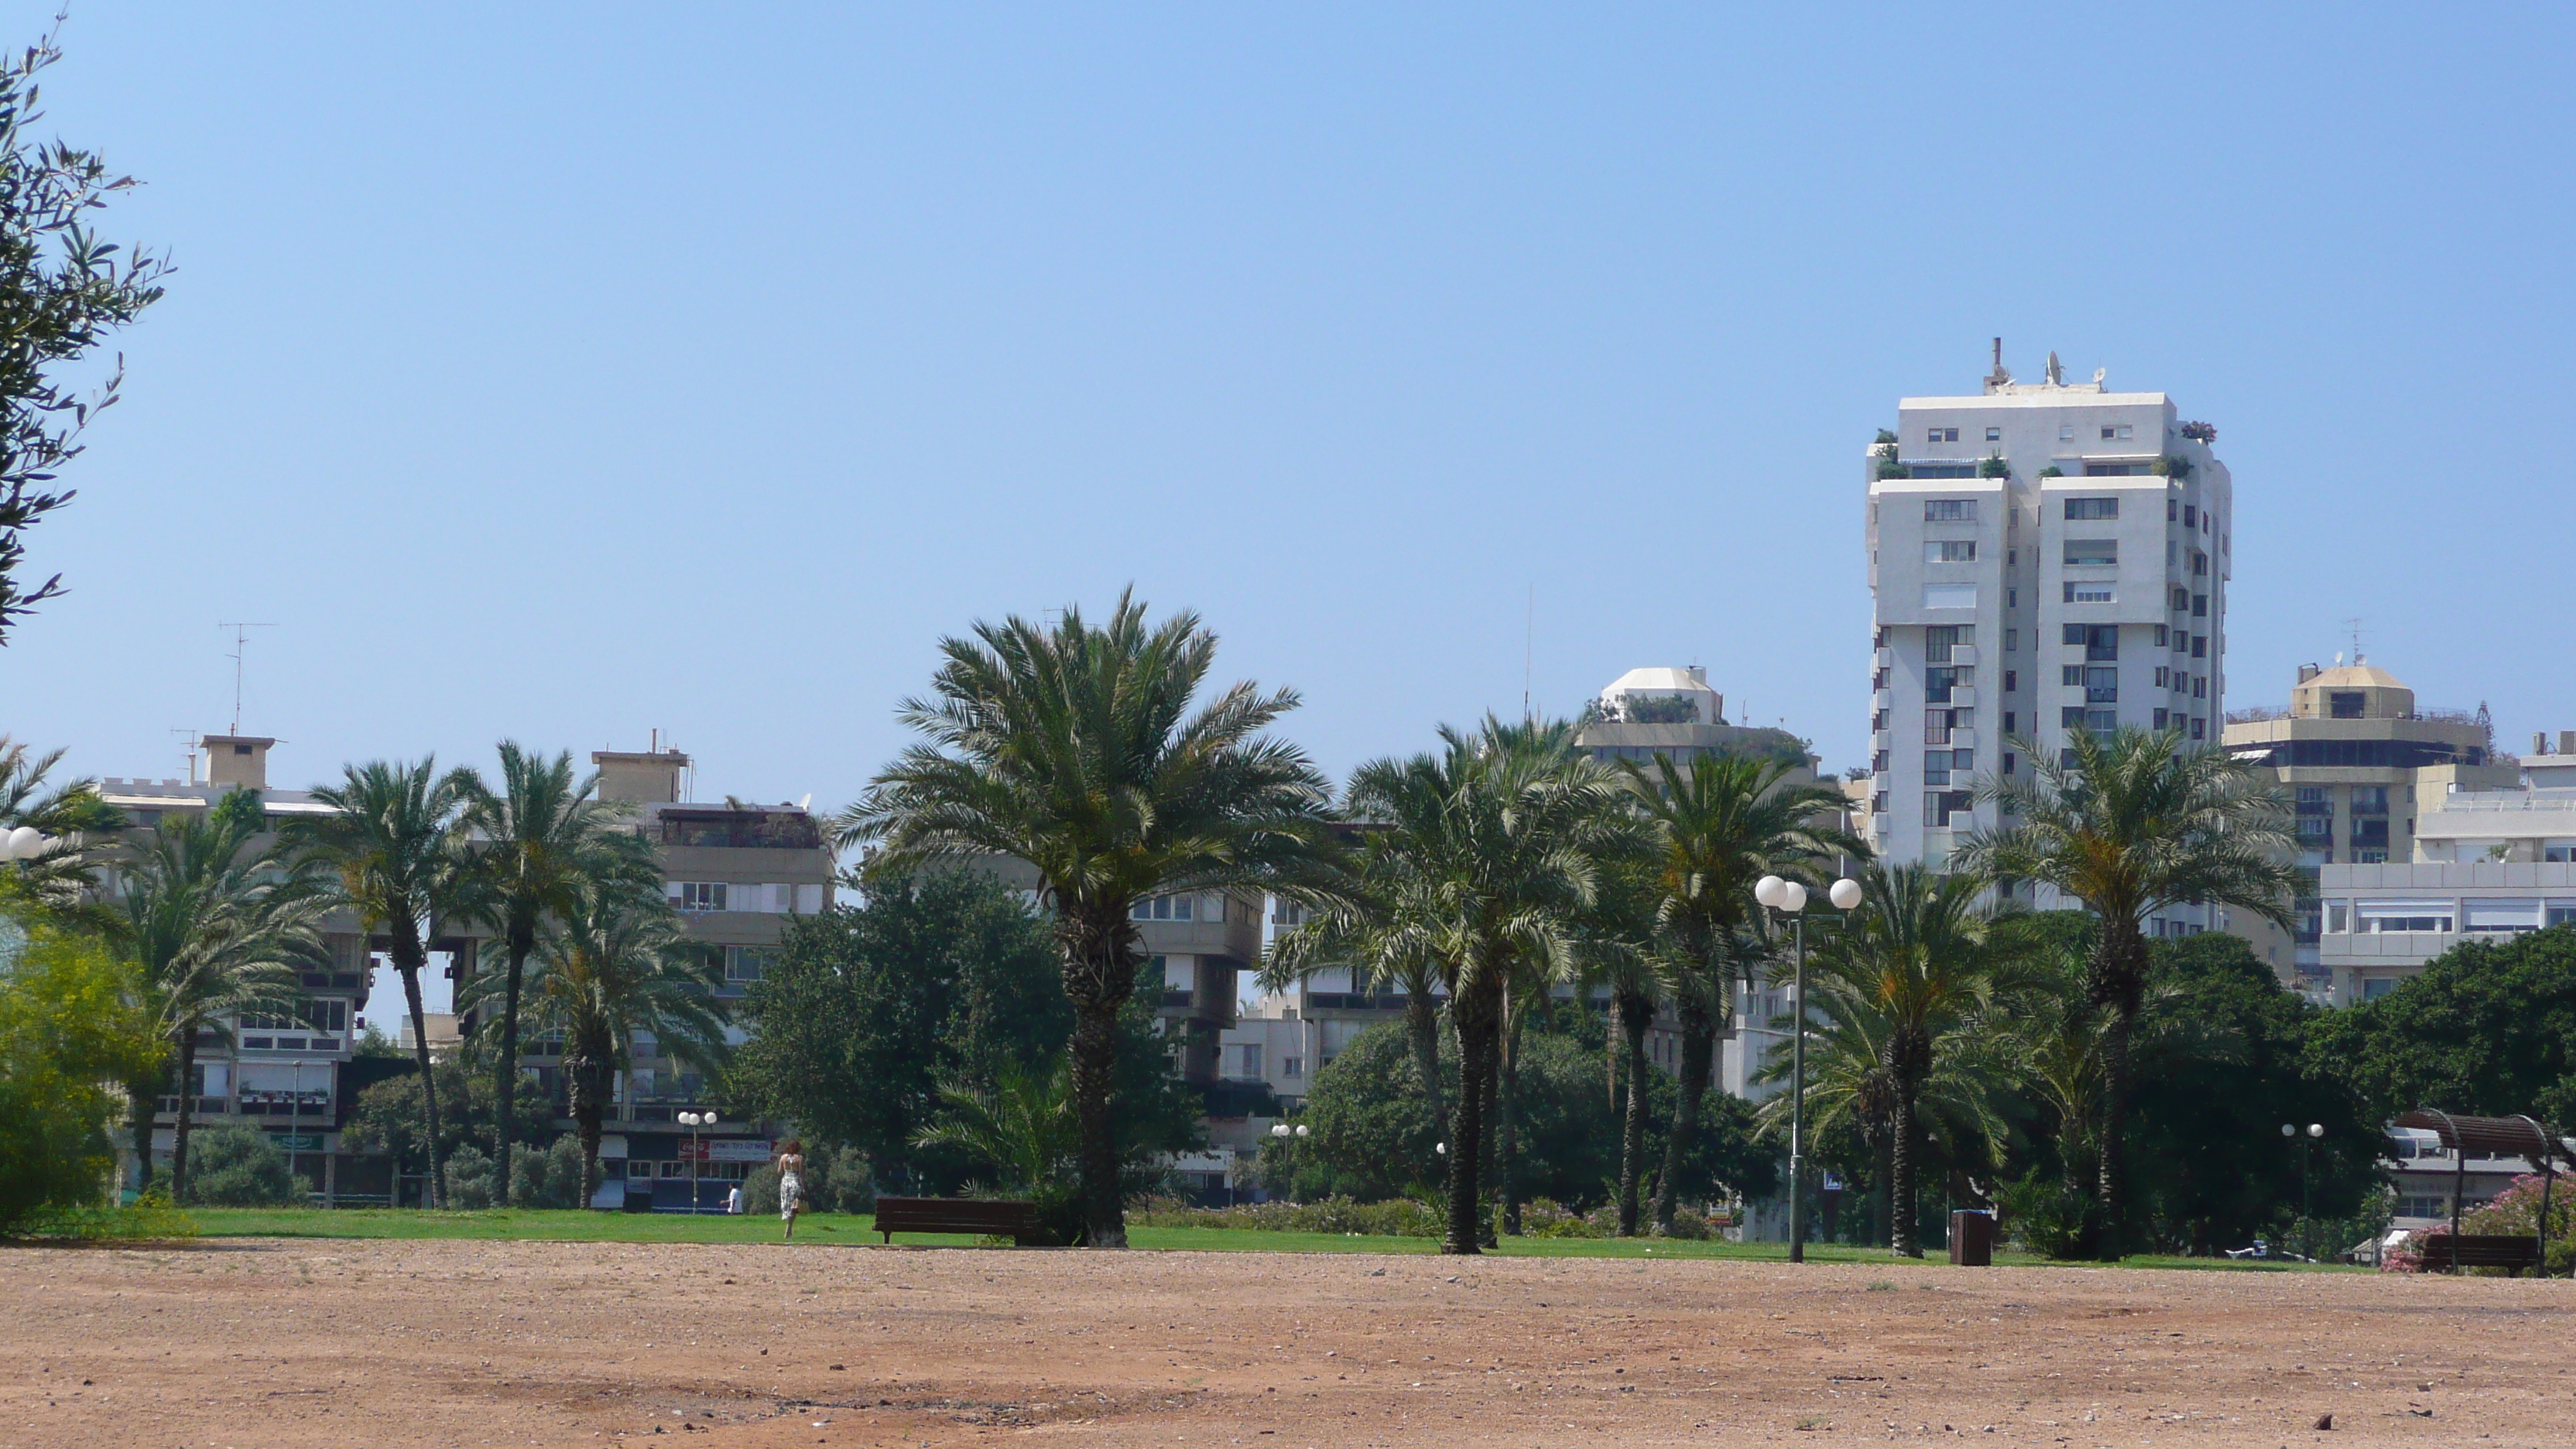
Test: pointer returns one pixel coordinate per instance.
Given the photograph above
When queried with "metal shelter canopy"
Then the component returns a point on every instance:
(2491, 1136)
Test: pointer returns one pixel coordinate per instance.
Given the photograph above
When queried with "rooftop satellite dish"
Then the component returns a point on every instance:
(807, 803)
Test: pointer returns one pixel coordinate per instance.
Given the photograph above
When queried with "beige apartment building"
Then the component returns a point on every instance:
(2362, 763)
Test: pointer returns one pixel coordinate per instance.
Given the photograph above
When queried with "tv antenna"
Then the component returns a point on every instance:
(241, 642)
(2354, 624)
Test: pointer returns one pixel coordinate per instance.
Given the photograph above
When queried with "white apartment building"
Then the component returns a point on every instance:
(2044, 557)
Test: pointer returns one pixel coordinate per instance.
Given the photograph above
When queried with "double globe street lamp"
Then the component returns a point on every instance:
(1789, 898)
(27, 843)
(693, 1121)
(2307, 1224)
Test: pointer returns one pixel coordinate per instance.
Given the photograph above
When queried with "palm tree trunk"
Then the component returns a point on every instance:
(1507, 1127)
(2115, 980)
(1472, 1020)
(409, 958)
(1422, 1025)
(1095, 1078)
(1635, 1015)
(522, 943)
(1901, 1234)
(589, 1105)
(1699, 1054)
(1489, 1159)
(187, 1102)
(144, 1098)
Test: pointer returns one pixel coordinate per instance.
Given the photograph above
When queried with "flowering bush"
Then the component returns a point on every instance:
(1401, 1217)
(2513, 1213)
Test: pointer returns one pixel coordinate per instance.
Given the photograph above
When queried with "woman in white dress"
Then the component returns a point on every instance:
(791, 1183)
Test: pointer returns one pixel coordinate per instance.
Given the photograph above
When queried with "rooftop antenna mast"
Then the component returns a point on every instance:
(2354, 624)
(241, 642)
(191, 737)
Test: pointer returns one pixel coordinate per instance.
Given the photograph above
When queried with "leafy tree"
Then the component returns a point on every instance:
(387, 1116)
(545, 834)
(549, 1177)
(1719, 826)
(2129, 824)
(1073, 748)
(615, 965)
(242, 1167)
(472, 1182)
(2487, 1028)
(395, 840)
(62, 291)
(865, 1010)
(219, 923)
(68, 1024)
(2211, 1106)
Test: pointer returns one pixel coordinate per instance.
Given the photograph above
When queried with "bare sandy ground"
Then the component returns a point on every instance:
(231, 1345)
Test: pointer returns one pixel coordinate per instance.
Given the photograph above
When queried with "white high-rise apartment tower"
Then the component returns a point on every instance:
(2044, 557)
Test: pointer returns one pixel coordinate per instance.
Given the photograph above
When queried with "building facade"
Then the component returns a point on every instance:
(2361, 762)
(2044, 558)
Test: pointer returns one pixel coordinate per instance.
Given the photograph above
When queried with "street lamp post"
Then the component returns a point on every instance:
(2307, 1220)
(1790, 899)
(693, 1121)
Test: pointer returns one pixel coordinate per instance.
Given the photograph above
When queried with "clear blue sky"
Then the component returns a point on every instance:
(565, 373)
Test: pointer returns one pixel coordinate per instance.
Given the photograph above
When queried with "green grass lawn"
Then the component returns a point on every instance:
(517, 1225)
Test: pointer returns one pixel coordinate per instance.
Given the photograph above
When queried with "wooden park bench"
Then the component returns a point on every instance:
(1005, 1218)
(2481, 1250)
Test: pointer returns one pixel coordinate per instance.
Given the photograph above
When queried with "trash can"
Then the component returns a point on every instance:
(1972, 1238)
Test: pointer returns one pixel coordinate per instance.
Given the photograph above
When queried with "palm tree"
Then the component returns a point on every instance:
(1915, 953)
(1720, 825)
(72, 814)
(2129, 825)
(543, 836)
(219, 926)
(1073, 748)
(395, 840)
(1959, 1101)
(616, 963)
(1500, 837)
(1368, 933)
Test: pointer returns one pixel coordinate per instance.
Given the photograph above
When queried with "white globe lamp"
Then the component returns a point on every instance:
(1793, 897)
(1767, 890)
(1845, 894)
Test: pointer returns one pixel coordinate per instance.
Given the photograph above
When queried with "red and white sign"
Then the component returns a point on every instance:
(727, 1149)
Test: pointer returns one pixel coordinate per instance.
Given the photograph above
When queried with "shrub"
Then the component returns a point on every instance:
(1994, 466)
(548, 1177)
(2169, 466)
(1399, 1218)
(2052, 471)
(472, 1184)
(2047, 1216)
(2513, 1213)
(67, 1024)
(237, 1165)
(1688, 1224)
(1545, 1217)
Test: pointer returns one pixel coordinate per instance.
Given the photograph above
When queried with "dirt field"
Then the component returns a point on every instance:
(278, 1343)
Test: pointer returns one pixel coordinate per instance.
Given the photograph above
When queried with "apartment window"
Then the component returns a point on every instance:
(1940, 639)
(2200, 606)
(1940, 805)
(2012, 680)
(2164, 676)
(2560, 915)
(2199, 728)
(2370, 800)
(2173, 509)
(2101, 685)
(2070, 674)
(2066, 432)
(1878, 637)
(1878, 803)
(2161, 718)
(2342, 705)
(1950, 550)
(1877, 722)
(2316, 830)
(1949, 510)
(1878, 762)
(1936, 726)
(2071, 717)
(1994, 435)
(2092, 553)
(1179, 908)
(2190, 516)
(2012, 598)
(2199, 562)
(2088, 508)
(2313, 800)
(2104, 721)
(2122, 430)
(746, 963)
(1292, 1066)
(1247, 1061)
(1936, 767)
(2012, 643)
(2089, 593)
(1941, 435)
(2100, 642)
(2009, 725)
(1939, 680)
(2009, 762)
(698, 895)
(2181, 599)
(2381, 917)
(2160, 636)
